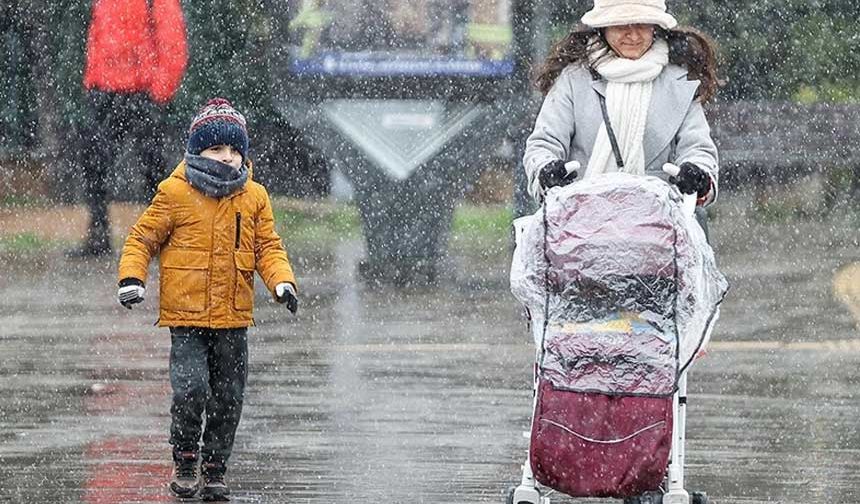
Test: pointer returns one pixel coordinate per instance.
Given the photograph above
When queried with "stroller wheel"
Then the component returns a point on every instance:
(646, 498)
(699, 498)
(525, 495)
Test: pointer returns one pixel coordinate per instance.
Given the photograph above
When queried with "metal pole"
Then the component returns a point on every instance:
(677, 494)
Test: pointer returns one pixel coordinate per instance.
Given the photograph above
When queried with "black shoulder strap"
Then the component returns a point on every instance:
(612, 140)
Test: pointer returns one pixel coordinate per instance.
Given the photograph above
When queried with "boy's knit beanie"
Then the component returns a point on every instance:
(218, 123)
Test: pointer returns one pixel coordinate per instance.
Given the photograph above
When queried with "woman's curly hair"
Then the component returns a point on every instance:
(688, 48)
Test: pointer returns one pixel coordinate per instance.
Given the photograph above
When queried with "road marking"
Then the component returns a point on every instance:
(714, 346)
(419, 347)
(846, 288)
(827, 345)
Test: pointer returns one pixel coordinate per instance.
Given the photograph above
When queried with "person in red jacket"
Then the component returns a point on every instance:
(136, 58)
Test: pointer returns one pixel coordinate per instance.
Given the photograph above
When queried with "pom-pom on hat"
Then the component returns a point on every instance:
(218, 123)
(624, 12)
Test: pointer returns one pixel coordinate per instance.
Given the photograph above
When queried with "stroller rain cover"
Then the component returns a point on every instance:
(621, 284)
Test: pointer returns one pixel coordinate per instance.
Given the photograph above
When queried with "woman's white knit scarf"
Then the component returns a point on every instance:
(628, 96)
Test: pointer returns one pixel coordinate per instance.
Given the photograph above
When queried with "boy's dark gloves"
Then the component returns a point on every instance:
(692, 179)
(555, 174)
(285, 293)
(131, 291)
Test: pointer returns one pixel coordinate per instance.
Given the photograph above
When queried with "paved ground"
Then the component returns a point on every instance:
(421, 395)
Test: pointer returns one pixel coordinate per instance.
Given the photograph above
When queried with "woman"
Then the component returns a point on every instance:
(649, 77)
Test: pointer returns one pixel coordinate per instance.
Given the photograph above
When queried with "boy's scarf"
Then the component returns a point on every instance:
(214, 178)
(628, 96)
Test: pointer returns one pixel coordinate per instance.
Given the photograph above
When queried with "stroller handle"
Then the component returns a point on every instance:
(671, 169)
(689, 201)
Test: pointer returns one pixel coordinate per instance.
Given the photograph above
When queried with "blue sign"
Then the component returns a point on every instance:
(422, 38)
(374, 65)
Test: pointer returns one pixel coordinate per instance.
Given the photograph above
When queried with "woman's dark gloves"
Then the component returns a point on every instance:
(692, 179)
(555, 174)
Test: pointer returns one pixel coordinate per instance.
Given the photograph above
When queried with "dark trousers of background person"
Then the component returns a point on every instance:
(208, 371)
(114, 119)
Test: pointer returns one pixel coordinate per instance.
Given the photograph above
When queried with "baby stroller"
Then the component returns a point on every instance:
(622, 291)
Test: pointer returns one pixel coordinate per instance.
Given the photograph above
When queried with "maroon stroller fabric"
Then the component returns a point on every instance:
(596, 445)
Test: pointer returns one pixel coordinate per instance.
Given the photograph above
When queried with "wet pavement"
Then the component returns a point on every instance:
(376, 394)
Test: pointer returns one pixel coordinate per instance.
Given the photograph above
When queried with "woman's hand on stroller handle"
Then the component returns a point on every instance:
(689, 201)
(558, 174)
(689, 178)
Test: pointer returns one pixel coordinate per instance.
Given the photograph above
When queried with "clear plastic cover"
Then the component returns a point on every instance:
(625, 279)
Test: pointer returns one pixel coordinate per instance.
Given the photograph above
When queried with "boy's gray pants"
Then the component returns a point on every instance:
(208, 371)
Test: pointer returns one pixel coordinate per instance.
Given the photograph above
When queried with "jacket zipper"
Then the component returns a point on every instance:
(238, 228)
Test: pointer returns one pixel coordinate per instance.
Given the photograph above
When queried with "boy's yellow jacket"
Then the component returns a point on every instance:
(208, 249)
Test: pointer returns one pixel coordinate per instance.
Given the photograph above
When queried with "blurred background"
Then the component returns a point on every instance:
(390, 135)
(776, 55)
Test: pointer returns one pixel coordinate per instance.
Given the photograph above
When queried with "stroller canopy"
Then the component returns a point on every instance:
(620, 282)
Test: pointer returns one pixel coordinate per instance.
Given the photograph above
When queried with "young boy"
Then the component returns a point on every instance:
(211, 227)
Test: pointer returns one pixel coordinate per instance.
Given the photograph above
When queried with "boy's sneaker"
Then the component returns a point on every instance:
(186, 480)
(214, 488)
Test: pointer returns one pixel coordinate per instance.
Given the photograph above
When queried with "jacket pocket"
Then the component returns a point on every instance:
(244, 298)
(184, 279)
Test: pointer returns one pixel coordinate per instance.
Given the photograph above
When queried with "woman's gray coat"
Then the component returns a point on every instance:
(566, 127)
